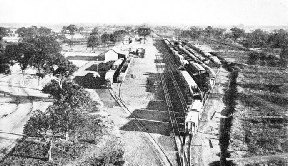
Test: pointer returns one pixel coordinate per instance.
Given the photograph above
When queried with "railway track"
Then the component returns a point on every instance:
(161, 155)
(171, 81)
(177, 108)
(173, 95)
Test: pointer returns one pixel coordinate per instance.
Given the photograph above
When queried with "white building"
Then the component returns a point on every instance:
(116, 53)
(111, 55)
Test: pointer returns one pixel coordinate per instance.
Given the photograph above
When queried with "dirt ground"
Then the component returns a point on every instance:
(143, 101)
(18, 99)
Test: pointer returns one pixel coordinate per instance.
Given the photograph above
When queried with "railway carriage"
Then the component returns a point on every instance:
(193, 116)
(216, 61)
(117, 64)
(192, 88)
(109, 77)
(191, 122)
(195, 68)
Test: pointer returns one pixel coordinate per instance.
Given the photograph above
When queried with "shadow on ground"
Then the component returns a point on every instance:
(147, 126)
(153, 119)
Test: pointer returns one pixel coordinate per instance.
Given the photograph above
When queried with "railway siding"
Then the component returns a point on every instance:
(143, 97)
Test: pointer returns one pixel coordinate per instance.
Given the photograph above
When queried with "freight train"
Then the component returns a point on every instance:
(195, 108)
(112, 75)
(193, 66)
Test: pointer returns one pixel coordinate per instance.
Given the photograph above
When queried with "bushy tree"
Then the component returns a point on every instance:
(4, 31)
(19, 53)
(144, 32)
(278, 38)
(237, 33)
(41, 125)
(72, 29)
(70, 102)
(257, 38)
(42, 53)
(119, 35)
(27, 33)
(105, 37)
(196, 32)
(95, 31)
(2, 45)
(93, 41)
(69, 92)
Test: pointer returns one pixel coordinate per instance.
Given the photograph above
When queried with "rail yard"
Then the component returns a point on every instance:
(178, 64)
(157, 100)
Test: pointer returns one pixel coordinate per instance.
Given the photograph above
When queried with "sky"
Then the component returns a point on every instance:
(159, 12)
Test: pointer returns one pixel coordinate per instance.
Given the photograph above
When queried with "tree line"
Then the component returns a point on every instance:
(258, 38)
(95, 38)
(39, 49)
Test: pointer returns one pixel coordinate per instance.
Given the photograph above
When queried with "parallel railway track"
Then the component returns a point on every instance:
(161, 155)
(173, 96)
(176, 106)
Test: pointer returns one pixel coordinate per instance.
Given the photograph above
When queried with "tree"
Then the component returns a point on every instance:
(45, 49)
(278, 38)
(64, 29)
(63, 69)
(219, 33)
(70, 101)
(65, 119)
(2, 45)
(80, 29)
(284, 56)
(209, 31)
(20, 53)
(258, 38)
(93, 41)
(196, 32)
(39, 125)
(119, 35)
(40, 52)
(94, 31)
(54, 122)
(237, 33)
(27, 33)
(105, 37)
(3, 31)
(112, 37)
(4, 60)
(144, 32)
(72, 29)
(184, 34)
(43, 31)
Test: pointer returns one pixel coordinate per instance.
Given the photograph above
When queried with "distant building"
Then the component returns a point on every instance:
(115, 53)
(126, 40)
(76, 38)
(12, 37)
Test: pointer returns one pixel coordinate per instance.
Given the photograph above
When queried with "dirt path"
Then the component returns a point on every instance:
(205, 147)
(17, 101)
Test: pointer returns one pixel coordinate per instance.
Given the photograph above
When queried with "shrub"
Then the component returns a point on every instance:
(114, 157)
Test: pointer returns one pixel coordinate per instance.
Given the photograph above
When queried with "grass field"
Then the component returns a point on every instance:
(259, 124)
